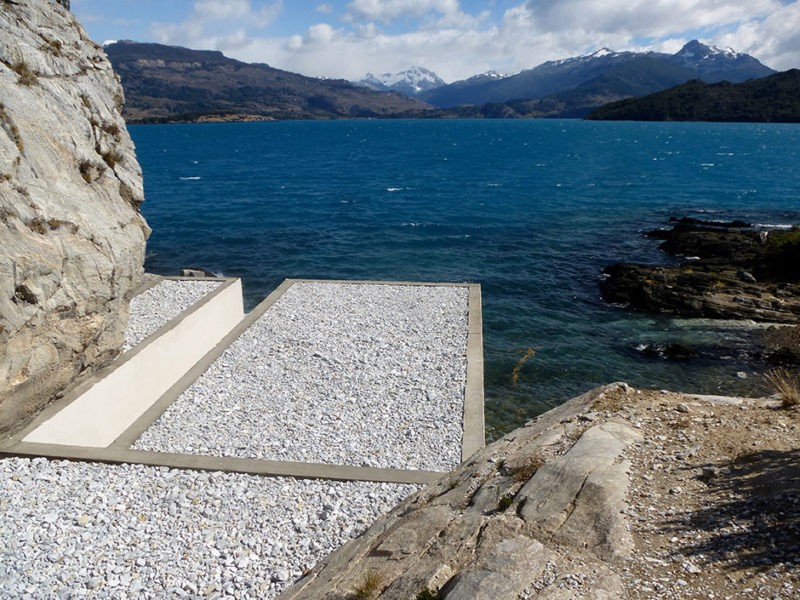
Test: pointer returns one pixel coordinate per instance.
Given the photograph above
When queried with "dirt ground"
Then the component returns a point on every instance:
(714, 500)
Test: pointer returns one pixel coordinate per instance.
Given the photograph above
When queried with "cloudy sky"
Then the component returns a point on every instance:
(454, 38)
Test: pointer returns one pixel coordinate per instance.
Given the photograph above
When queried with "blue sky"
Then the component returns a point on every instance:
(455, 38)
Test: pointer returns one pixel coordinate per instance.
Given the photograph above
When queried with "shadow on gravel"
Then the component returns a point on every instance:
(758, 525)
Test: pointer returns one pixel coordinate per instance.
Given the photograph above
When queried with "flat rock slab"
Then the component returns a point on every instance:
(536, 514)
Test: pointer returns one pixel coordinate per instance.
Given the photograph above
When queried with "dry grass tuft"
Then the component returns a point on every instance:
(524, 473)
(369, 587)
(786, 384)
(26, 76)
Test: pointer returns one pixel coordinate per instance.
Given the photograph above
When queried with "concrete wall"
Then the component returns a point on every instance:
(116, 397)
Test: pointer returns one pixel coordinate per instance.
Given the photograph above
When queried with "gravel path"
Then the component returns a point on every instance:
(158, 305)
(70, 530)
(358, 374)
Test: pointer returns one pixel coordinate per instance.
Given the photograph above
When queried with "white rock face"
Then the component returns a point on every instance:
(71, 237)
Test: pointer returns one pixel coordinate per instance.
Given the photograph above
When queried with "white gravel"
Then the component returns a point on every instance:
(74, 530)
(357, 374)
(158, 305)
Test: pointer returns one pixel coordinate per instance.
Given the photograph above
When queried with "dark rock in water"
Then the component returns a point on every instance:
(782, 345)
(746, 276)
(670, 351)
(710, 225)
(196, 272)
(739, 274)
(678, 351)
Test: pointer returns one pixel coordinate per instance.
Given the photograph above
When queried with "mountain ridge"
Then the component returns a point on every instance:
(693, 61)
(174, 84)
(775, 98)
(171, 83)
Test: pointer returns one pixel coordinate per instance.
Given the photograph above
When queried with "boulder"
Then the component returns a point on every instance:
(538, 511)
(72, 239)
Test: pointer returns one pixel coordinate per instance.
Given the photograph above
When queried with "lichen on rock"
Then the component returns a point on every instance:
(71, 236)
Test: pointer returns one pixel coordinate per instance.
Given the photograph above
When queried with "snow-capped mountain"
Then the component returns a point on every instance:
(715, 64)
(487, 76)
(695, 53)
(409, 82)
(604, 53)
(604, 75)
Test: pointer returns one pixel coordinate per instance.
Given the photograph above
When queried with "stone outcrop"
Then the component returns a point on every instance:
(619, 493)
(732, 271)
(71, 236)
(530, 514)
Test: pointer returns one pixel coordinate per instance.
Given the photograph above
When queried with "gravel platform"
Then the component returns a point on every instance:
(158, 305)
(75, 530)
(355, 374)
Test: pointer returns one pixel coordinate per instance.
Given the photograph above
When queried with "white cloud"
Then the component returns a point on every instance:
(775, 40)
(643, 18)
(389, 10)
(391, 35)
(209, 20)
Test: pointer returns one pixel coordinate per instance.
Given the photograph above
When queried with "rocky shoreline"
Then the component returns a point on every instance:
(726, 270)
(619, 493)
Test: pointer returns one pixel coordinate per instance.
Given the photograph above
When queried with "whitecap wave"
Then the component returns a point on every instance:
(784, 226)
(195, 178)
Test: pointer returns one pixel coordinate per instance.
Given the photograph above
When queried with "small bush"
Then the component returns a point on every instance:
(85, 169)
(505, 502)
(527, 471)
(786, 384)
(111, 129)
(54, 47)
(12, 129)
(111, 158)
(26, 74)
(428, 595)
(55, 224)
(7, 213)
(37, 225)
(370, 586)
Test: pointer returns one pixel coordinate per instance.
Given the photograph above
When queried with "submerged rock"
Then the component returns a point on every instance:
(71, 236)
(669, 351)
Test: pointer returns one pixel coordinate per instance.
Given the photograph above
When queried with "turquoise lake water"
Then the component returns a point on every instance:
(532, 210)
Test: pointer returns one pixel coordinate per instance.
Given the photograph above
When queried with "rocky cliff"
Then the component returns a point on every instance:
(71, 236)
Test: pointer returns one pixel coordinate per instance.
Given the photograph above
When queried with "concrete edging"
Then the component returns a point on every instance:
(118, 449)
